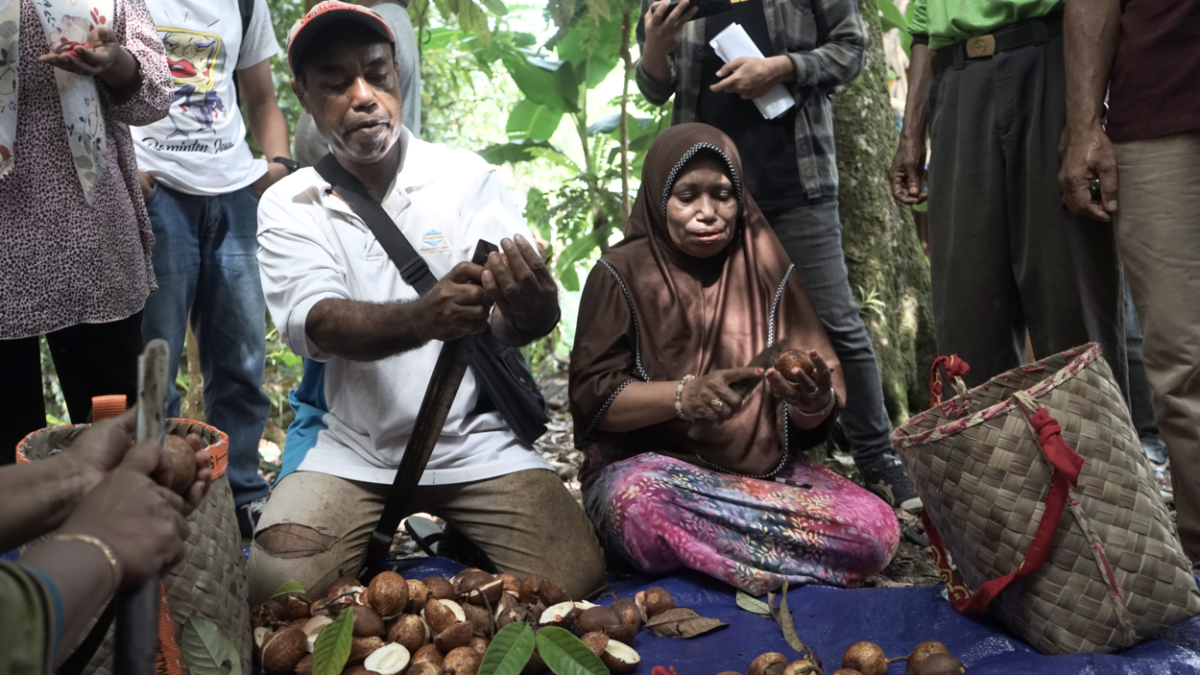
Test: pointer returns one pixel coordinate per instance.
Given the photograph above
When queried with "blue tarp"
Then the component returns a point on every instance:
(831, 619)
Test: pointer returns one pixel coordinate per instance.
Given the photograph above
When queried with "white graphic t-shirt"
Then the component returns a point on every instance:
(199, 148)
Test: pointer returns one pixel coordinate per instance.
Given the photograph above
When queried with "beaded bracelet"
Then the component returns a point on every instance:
(679, 395)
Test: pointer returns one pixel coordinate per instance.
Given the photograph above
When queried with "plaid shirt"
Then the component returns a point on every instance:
(823, 38)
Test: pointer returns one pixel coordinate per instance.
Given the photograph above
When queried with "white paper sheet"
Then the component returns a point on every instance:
(734, 42)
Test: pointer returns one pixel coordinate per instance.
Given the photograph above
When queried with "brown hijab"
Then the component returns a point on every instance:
(651, 313)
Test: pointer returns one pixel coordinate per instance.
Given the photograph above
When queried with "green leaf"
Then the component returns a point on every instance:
(207, 650)
(516, 151)
(890, 16)
(529, 120)
(540, 81)
(564, 654)
(332, 648)
(510, 650)
(752, 604)
(593, 48)
(289, 587)
(472, 19)
(576, 251)
(496, 7)
(922, 207)
(569, 278)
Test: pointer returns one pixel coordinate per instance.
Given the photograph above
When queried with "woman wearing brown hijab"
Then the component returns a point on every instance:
(681, 471)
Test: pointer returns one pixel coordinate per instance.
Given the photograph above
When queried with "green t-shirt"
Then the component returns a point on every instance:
(24, 642)
(950, 21)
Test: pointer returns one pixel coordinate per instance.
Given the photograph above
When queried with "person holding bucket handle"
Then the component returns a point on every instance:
(115, 523)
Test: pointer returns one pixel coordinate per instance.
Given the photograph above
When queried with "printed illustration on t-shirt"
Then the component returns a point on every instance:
(194, 59)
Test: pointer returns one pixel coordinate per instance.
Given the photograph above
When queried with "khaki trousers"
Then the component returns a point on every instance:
(526, 522)
(1158, 232)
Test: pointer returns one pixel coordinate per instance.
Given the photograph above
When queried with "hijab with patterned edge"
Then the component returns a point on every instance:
(690, 316)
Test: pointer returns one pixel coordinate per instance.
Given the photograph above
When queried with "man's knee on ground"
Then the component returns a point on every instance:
(288, 540)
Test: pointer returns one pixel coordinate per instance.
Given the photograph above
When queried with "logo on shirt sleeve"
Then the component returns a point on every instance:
(434, 243)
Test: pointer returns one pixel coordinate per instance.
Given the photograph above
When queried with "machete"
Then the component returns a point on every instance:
(137, 610)
(443, 387)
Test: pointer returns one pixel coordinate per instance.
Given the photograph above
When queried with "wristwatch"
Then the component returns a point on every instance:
(291, 164)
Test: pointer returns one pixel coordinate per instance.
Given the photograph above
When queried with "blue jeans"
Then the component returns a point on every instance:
(812, 237)
(204, 258)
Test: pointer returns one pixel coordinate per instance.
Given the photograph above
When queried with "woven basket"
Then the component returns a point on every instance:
(1109, 570)
(211, 580)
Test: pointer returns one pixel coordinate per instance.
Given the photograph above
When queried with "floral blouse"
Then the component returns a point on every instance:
(63, 262)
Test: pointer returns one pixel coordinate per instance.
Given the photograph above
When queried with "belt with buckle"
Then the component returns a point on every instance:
(1023, 33)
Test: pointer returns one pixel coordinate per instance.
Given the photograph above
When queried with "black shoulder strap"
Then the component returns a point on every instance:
(246, 9)
(412, 267)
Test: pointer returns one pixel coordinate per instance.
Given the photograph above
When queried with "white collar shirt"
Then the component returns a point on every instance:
(313, 247)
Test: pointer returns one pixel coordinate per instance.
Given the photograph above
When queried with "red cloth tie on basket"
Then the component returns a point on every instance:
(955, 367)
(1067, 465)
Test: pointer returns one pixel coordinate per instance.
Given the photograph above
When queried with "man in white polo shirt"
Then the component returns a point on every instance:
(370, 341)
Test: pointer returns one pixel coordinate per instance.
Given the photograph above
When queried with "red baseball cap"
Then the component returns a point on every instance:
(329, 13)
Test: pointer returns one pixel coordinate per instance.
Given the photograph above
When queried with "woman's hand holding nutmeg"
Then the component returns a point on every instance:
(807, 384)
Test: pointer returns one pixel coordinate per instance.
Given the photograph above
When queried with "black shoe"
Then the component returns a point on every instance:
(248, 515)
(887, 479)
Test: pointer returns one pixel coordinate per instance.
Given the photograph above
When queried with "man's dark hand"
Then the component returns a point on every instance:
(522, 287)
(907, 173)
(1087, 156)
(751, 77)
(456, 307)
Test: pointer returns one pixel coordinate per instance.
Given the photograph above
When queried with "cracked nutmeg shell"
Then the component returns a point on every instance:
(791, 359)
(760, 664)
(282, 650)
(439, 588)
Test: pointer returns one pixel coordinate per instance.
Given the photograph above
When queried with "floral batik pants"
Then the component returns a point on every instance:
(664, 515)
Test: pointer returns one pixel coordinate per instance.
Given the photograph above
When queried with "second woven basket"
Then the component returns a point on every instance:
(1050, 445)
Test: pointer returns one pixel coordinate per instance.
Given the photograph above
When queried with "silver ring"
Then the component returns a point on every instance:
(717, 404)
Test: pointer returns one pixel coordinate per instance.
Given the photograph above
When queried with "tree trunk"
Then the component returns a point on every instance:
(888, 270)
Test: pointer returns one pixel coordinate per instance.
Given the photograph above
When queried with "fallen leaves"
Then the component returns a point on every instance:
(682, 622)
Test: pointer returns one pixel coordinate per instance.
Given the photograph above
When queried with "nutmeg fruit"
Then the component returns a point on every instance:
(791, 359)
(183, 463)
(595, 641)
(865, 657)
(387, 594)
(428, 654)
(458, 635)
(418, 593)
(627, 612)
(442, 614)
(361, 648)
(408, 630)
(550, 593)
(620, 657)
(760, 664)
(367, 622)
(480, 645)
(595, 619)
(282, 650)
(439, 588)
(941, 664)
(462, 661)
(657, 600)
(922, 652)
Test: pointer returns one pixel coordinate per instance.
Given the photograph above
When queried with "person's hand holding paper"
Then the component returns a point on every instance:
(751, 76)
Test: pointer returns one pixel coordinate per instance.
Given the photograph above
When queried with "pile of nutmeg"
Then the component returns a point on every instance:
(863, 658)
(439, 626)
